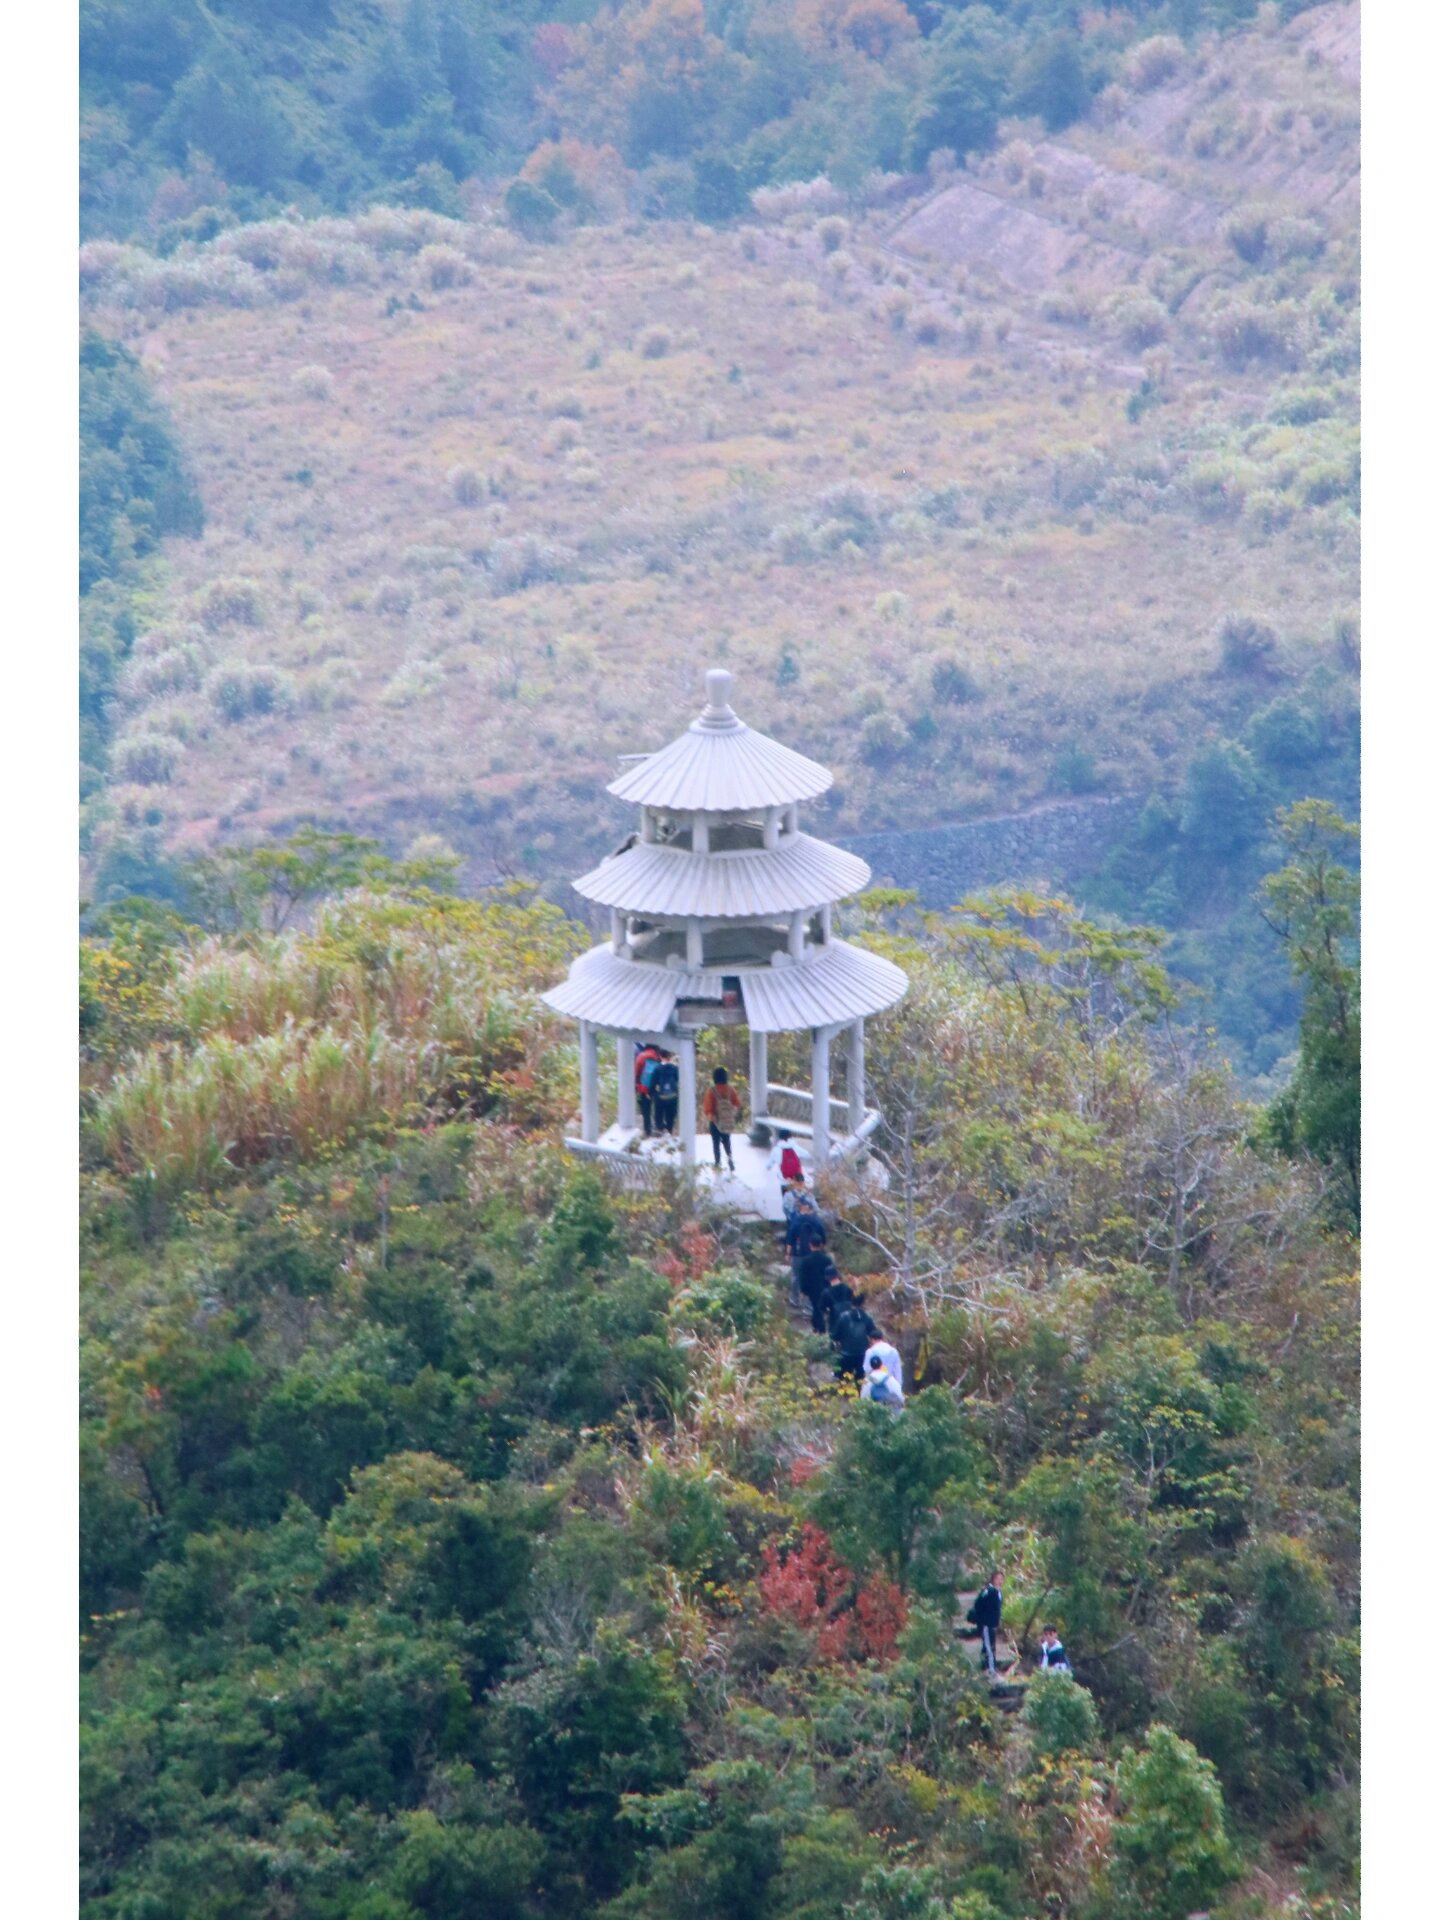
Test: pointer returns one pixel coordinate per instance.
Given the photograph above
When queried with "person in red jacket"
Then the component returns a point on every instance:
(790, 1167)
(723, 1108)
(643, 1057)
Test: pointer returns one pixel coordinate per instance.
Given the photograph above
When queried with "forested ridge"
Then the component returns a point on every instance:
(197, 115)
(460, 1535)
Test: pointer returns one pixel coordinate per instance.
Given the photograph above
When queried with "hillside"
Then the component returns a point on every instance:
(1034, 481)
(459, 1537)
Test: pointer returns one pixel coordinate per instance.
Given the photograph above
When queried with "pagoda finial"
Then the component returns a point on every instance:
(718, 712)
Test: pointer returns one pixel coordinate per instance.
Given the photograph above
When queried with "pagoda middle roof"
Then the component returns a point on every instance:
(719, 765)
(798, 875)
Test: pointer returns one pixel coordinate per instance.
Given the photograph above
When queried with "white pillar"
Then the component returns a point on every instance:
(797, 935)
(820, 1099)
(625, 1078)
(686, 1050)
(855, 1075)
(825, 924)
(759, 1074)
(694, 946)
(772, 828)
(617, 931)
(792, 819)
(589, 1084)
(647, 827)
(700, 833)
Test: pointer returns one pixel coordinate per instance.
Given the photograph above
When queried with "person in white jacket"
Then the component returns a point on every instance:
(880, 1382)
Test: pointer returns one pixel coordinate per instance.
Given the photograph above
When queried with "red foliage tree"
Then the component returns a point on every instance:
(810, 1587)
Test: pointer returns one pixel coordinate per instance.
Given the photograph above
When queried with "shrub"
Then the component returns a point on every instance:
(467, 486)
(1150, 63)
(1294, 238)
(729, 1301)
(530, 209)
(524, 562)
(412, 681)
(654, 342)
(443, 267)
(832, 232)
(391, 597)
(1248, 644)
(1302, 406)
(1074, 770)
(954, 684)
(315, 383)
(147, 759)
(231, 603)
(1246, 230)
(238, 691)
(883, 738)
(1060, 1715)
(1246, 331)
(1142, 321)
(172, 670)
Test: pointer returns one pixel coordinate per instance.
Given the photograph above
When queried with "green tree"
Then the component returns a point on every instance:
(1312, 904)
(1172, 1851)
(1221, 809)
(887, 1474)
(1050, 80)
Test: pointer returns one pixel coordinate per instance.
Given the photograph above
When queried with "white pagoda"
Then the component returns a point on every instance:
(721, 915)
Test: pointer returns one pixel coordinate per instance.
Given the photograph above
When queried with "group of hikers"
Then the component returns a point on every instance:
(657, 1094)
(985, 1614)
(862, 1353)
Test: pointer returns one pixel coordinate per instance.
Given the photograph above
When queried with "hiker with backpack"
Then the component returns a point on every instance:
(664, 1083)
(889, 1359)
(646, 1057)
(985, 1614)
(791, 1169)
(851, 1331)
(723, 1109)
(880, 1384)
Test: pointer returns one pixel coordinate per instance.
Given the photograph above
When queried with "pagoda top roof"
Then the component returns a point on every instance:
(719, 765)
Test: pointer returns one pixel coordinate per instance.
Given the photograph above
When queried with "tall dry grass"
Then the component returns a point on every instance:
(386, 1012)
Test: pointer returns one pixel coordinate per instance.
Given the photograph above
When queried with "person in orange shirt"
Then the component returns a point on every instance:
(723, 1108)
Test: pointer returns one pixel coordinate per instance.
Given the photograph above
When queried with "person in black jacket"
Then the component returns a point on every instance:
(985, 1614)
(804, 1234)
(814, 1272)
(851, 1331)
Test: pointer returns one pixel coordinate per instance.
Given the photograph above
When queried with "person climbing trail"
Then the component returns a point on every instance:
(880, 1384)
(884, 1373)
(804, 1234)
(723, 1109)
(851, 1331)
(814, 1274)
(985, 1614)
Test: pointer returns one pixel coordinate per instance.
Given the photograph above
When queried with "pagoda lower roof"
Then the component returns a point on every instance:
(795, 877)
(832, 985)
